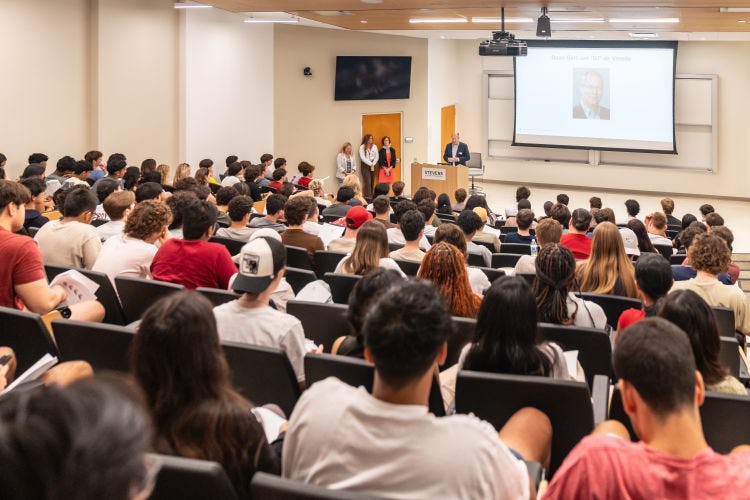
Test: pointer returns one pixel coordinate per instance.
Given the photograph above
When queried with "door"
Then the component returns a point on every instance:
(380, 126)
(447, 126)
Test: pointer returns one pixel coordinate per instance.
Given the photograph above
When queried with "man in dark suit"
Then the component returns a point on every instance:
(456, 152)
(592, 89)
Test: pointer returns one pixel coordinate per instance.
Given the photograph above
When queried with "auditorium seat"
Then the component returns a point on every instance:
(341, 286)
(105, 294)
(508, 229)
(528, 277)
(613, 305)
(322, 323)
(724, 320)
(666, 250)
(517, 248)
(729, 355)
(298, 257)
(262, 374)
(505, 259)
(218, 296)
(25, 333)
(492, 274)
(475, 259)
(677, 259)
(594, 347)
(463, 333)
(409, 267)
(299, 278)
(271, 487)
(234, 246)
(392, 247)
(137, 294)
(104, 347)
(567, 404)
(326, 262)
(489, 246)
(190, 479)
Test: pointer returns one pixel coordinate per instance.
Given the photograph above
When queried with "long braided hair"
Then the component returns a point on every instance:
(555, 276)
(443, 264)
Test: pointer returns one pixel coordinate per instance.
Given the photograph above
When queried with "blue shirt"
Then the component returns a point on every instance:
(517, 238)
(684, 273)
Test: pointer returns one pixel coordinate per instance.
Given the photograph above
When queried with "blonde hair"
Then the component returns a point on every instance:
(371, 246)
(163, 169)
(183, 170)
(315, 185)
(352, 181)
(346, 145)
(607, 264)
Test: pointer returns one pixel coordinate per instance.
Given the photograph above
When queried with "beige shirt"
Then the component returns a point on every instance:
(343, 245)
(403, 254)
(68, 244)
(715, 293)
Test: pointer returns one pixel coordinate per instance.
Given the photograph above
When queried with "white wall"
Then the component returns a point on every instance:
(228, 83)
(444, 87)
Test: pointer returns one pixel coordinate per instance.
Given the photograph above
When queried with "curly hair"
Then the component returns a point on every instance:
(555, 276)
(147, 218)
(444, 265)
(709, 253)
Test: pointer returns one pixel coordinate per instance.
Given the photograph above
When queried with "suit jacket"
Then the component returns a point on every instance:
(383, 161)
(579, 113)
(462, 153)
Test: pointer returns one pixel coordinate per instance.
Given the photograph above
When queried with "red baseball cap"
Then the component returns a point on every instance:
(356, 216)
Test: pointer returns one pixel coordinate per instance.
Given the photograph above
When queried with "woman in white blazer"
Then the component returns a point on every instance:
(346, 162)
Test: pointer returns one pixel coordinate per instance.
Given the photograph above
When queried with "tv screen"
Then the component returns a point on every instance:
(363, 78)
(607, 95)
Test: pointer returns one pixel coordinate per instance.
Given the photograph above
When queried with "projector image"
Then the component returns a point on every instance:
(503, 44)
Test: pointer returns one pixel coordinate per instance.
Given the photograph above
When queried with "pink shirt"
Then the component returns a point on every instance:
(606, 466)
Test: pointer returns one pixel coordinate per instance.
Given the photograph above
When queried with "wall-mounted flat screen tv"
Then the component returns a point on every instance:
(372, 77)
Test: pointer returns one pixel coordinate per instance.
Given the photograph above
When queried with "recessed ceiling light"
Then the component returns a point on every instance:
(734, 9)
(644, 35)
(741, 20)
(363, 21)
(191, 6)
(436, 20)
(259, 20)
(577, 20)
(646, 20)
(497, 20)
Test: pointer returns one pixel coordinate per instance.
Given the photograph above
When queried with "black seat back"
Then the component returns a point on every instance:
(489, 246)
(463, 333)
(505, 259)
(529, 277)
(517, 248)
(594, 347)
(190, 479)
(729, 355)
(234, 246)
(495, 398)
(613, 305)
(322, 323)
(326, 262)
(105, 294)
(271, 487)
(298, 257)
(409, 267)
(665, 250)
(341, 286)
(475, 259)
(137, 295)
(492, 274)
(25, 333)
(724, 320)
(218, 296)
(299, 278)
(262, 374)
(104, 347)
(677, 259)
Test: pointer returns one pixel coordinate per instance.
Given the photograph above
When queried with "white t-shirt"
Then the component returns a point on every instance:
(341, 437)
(478, 280)
(582, 317)
(385, 262)
(311, 227)
(396, 237)
(111, 228)
(263, 326)
(230, 181)
(472, 247)
(125, 256)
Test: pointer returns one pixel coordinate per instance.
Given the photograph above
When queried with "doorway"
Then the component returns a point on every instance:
(447, 126)
(381, 125)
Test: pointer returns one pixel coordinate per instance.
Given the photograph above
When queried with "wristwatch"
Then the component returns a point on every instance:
(64, 311)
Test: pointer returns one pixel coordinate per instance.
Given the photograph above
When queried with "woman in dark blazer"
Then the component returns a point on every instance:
(387, 162)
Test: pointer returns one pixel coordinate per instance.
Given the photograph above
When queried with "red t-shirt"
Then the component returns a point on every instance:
(630, 316)
(21, 264)
(579, 244)
(193, 264)
(606, 466)
(304, 181)
(276, 185)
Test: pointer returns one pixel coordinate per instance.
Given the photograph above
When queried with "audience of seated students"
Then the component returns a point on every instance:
(149, 191)
(306, 170)
(178, 362)
(364, 295)
(431, 220)
(223, 196)
(412, 227)
(118, 206)
(524, 219)
(116, 165)
(182, 172)
(274, 214)
(483, 236)
(353, 220)
(130, 178)
(381, 205)
(546, 207)
(476, 200)
(667, 206)
(522, 193)
(705, 209)
(71, 241)
(98, 168)
(104, 187)
(575, 239)
(353, 181)
(726, 234)
(547, 231)
(250, 185)
(370, 252)
(595, 202)
(645, 244)
(131, 252)
(63, 170)
(470, 223)
(394, 234)
(661, 392)
(405, 337)
(380, 189)
(563, 199)
(319, 193)
(632, 207)
(279, 178)
(177, 203)
(342, 204)
(561, 214)
(450, 233)
(685, 271)
(656, 225)
(709, 256)
(33, 171)
(93, 436)
(460, 196)
(608, 270)
(713, 220)
(234, 172)
(79, 175)
(397, 188)
(193, 261)
(554, 287)
(250, 319)
(296, 211)
(311, 224)
(445, 267)
(653, 279)
(35, 206)
(23, 282)
(522, 204)
(443, 206)
(239, 210)
(688, 311)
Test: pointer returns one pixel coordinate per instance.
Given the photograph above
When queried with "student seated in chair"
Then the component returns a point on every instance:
(239, 210)
(274, 214)
(661, 392)
(414, 454)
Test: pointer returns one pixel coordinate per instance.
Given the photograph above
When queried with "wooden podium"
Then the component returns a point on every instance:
(439, 178)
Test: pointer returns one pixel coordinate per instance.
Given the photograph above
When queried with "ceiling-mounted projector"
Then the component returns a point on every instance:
(503, 43)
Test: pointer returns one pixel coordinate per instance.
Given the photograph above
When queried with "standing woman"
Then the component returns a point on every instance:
(368, 153)
(387, 161)
(346, 162)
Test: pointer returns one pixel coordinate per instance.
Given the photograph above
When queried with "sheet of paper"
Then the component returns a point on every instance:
(270, 421)
(37, 370)
(329, 232)
(571, 359)
(79, 287)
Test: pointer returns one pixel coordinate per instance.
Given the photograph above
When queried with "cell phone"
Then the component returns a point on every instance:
(5, 359)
